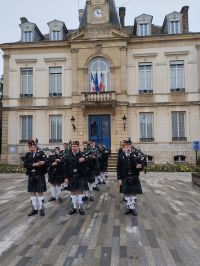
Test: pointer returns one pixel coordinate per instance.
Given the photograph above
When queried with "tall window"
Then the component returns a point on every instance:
(55, 35)
(144, 29)
(55, 128)
(26, 82)
(146, 127)
(145, 78)
(178, 126)
(177, 75)
(55, 74)
(99, 75)
(26, 128)
(28, 36)
(174, 27)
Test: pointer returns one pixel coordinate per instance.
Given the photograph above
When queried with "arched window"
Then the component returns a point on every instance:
(99, 75)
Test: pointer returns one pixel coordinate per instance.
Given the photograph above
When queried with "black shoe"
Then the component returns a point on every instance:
(104, 182)
(73, 211)
(85, 198)
(99, 183)
(91, 199)
(33, 212)
(134, 212)
(52, 199)
(81, 211)
(96, 188)
(60, 200)
(42, 213)
(127, 211)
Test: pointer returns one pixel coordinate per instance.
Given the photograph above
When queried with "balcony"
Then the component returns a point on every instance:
(102, 98)
(176, 139)
(146, 139)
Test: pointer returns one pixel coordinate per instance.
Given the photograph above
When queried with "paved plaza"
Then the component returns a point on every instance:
(165, 232)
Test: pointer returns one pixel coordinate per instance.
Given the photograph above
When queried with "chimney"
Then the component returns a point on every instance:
(185, 22)
(80, 14)
(23, 20)
(122, 13)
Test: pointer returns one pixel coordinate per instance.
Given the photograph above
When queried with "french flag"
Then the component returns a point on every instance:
(96, 82)
(92, 83)
(101, 86)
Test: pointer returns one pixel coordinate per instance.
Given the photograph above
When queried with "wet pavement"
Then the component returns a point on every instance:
(165, 232)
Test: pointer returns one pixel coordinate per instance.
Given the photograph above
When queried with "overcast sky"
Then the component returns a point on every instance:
(43, 11)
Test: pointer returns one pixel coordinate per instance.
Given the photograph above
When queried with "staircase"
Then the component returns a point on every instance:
(112, 162)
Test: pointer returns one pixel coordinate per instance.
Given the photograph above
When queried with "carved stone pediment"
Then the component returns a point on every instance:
(103, 32)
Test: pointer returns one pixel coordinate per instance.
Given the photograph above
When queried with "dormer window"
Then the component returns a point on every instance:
(144, 29)
(28, 36)
(174, 27)
(143, 25)
(55, 35)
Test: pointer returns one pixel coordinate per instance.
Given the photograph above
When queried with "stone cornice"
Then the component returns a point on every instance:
(24, 61)
(56, 59)
(145, 55)
(177, 53)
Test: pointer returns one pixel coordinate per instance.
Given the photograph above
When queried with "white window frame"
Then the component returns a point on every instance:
(27, 79)
(175, 27)
(55, 35)
(28, 120)
(178, 126)
(28, 36)
(100, 66)
(143, 29)
(179, 159)
(55, 136)
(55, 78)
(177, 76)
(145, 73)
(144, 126)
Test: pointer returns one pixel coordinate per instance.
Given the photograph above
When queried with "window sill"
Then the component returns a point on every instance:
(55, 141)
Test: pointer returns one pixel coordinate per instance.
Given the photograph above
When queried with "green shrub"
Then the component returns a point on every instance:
(8, 168)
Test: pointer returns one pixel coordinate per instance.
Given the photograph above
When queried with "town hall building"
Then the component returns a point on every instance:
(104, 81)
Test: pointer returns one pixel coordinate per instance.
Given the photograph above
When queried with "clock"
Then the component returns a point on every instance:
(98, 13)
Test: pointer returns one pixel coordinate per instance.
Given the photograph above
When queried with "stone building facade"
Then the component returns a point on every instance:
(104, 81)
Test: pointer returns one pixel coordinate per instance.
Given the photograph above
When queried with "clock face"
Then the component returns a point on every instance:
(98, 13)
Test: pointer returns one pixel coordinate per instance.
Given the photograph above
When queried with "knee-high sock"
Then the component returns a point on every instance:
(53, 191)
(58, 191)
(80, 201)
(103, 176)
(34, 202)
(74, 200)
(128, 201)
(97, 177)
(132, 205)
(41, 202)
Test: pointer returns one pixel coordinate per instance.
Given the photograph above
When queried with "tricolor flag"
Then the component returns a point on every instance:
(92, 83)
(101, 86)
(96, 82)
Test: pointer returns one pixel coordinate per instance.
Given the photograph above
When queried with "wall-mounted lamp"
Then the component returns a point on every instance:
(124, 121)
(72, 121)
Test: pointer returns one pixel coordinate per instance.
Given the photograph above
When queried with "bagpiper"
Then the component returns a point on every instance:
(56, 174)
(128, 171)
(35, 163)
(75, 173)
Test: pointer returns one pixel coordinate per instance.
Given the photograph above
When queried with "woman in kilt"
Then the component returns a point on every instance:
(76, 177)
(128, 170)
(56, 174)
(35, 163)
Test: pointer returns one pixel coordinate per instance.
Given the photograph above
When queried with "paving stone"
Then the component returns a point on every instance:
(165, 232)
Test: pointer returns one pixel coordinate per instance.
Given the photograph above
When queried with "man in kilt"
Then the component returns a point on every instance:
(128, 170)
(56, 174)
(35, 163)
(76, 177)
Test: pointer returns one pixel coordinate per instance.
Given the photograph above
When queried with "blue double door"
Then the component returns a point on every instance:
(99, 129)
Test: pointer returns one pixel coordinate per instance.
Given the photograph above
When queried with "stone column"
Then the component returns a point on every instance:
(198, 60)
(4, 146)
(123, 86)
(74, 71)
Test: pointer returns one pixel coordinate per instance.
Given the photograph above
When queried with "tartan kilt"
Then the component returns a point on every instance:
(55, 179)
(131, 186)
(76, 184)
(37, 184)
